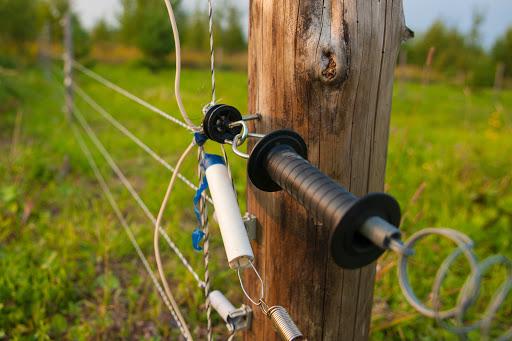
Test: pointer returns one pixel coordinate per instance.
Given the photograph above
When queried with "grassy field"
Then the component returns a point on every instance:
(69, 271)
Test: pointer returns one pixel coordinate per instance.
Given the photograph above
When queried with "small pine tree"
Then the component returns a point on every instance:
(502, 51)
(197, 37)
(145, 24)
(233, 34)
(102, 32)
(20, 22)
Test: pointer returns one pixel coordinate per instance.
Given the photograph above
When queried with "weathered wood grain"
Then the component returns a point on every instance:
(324, 69)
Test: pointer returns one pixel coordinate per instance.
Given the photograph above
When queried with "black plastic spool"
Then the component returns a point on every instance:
(257, 168)
(348, 248)
(216, 123)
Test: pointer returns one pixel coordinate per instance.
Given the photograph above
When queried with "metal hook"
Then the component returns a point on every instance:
(234, 146)
(245, 130)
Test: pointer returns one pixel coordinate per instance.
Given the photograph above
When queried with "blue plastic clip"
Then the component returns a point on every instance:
(202, 187)
(197, 236)
(200, 139)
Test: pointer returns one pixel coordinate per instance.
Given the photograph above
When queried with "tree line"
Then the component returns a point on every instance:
(455, 53)
(144, 24)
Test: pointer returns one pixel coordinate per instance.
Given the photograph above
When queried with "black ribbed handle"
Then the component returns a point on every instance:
(278, 162)
(325, 199)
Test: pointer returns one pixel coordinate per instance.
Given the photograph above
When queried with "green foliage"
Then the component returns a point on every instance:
(446, 168)
(145, 24)
(102, 32)
(128, 22)
(20, 21)
(232, 36)
(68, 268)
(154, 38)
(196, 36)
(81, 39)
(228, 32)
(502, 51)
(457, 53)
(69, 271)
(56, 12)
(453, 51)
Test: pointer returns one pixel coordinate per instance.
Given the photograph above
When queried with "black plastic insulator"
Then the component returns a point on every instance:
(256, 167)
(217, 120)
(324, 199)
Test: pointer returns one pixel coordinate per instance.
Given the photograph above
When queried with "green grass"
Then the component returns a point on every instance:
(69, 271)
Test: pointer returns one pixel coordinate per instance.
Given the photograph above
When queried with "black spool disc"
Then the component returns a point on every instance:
(256, 167)
(351, 250)
(216, 123)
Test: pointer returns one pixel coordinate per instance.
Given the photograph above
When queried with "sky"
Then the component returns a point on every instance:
(419, 13)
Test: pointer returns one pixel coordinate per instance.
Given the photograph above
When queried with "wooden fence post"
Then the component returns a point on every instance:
(68, 61)
(324, 69)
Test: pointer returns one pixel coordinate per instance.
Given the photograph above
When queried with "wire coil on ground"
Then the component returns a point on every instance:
(469, 292)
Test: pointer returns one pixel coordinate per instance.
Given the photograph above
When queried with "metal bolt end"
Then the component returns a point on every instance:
(398, 246)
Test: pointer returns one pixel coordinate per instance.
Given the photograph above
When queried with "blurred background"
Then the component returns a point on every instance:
(68, 270)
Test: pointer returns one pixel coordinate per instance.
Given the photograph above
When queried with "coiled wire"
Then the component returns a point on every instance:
(284, 324)
(470, 290)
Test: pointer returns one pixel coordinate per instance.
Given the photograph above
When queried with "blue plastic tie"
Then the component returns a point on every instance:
(200, 139)
(208, 161)
(197, 236)
(211, 160)
(203, 187)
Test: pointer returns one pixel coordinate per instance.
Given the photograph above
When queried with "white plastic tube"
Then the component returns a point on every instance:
(221, 305)
(232, 228)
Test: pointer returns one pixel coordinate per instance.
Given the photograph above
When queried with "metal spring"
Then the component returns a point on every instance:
(470, 290)
(283, 324)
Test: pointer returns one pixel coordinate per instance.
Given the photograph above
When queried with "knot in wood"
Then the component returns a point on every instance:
(334, 64)
(329, 72)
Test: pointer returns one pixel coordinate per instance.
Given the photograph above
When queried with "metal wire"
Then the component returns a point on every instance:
(212, 48)
(127, 94)
(113, 165)
(203, 213)
(469, 292)
(117, 211)
(284, 324)
(156, 237)
(100, 110)
(259, 300)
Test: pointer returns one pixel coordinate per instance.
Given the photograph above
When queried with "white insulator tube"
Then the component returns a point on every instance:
(232, 228)
(221, 305)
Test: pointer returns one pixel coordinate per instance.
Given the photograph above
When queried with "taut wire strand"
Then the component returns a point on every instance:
(117, 211)
(203, 213)
(98, 108)
(202, 203)
(126, 93)
(212, 49)
(81, 120)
